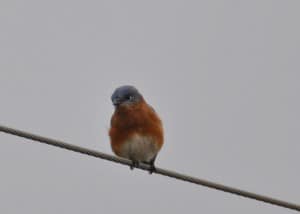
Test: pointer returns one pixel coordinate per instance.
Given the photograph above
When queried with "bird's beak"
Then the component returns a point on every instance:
(116, 102)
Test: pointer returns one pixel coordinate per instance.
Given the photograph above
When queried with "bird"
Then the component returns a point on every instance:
(136, 130)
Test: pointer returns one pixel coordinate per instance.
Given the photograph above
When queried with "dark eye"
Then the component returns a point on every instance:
(130, 97)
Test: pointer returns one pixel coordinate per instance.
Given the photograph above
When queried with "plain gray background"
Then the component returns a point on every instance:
(223, 75)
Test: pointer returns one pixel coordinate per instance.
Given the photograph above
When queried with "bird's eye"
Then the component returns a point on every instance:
(131, 97)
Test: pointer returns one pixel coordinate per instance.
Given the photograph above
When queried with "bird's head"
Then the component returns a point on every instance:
(126, 96)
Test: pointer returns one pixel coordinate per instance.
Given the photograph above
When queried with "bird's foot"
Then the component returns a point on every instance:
(134, 164)
(152, 169)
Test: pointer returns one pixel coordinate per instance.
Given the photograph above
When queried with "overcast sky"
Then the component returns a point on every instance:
(223, 75)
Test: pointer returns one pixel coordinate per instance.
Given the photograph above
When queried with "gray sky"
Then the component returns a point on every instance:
(223, 75)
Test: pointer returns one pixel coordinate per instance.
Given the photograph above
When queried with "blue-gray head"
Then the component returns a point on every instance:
(126, 95)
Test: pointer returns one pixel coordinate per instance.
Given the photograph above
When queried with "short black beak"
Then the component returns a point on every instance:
(116, 101)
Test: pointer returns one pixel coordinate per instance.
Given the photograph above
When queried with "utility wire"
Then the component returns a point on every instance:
(160, 171)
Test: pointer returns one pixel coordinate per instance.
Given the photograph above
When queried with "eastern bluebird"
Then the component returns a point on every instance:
(136, 131)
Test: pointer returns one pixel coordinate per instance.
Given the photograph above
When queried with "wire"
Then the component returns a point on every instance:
(160, 171)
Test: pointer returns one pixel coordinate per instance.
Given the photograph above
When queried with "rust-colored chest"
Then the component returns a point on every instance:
(140, 119)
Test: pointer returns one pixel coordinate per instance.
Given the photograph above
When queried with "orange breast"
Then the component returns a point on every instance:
(135, 119)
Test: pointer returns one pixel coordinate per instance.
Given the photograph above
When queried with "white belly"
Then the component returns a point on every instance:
(139, 148)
